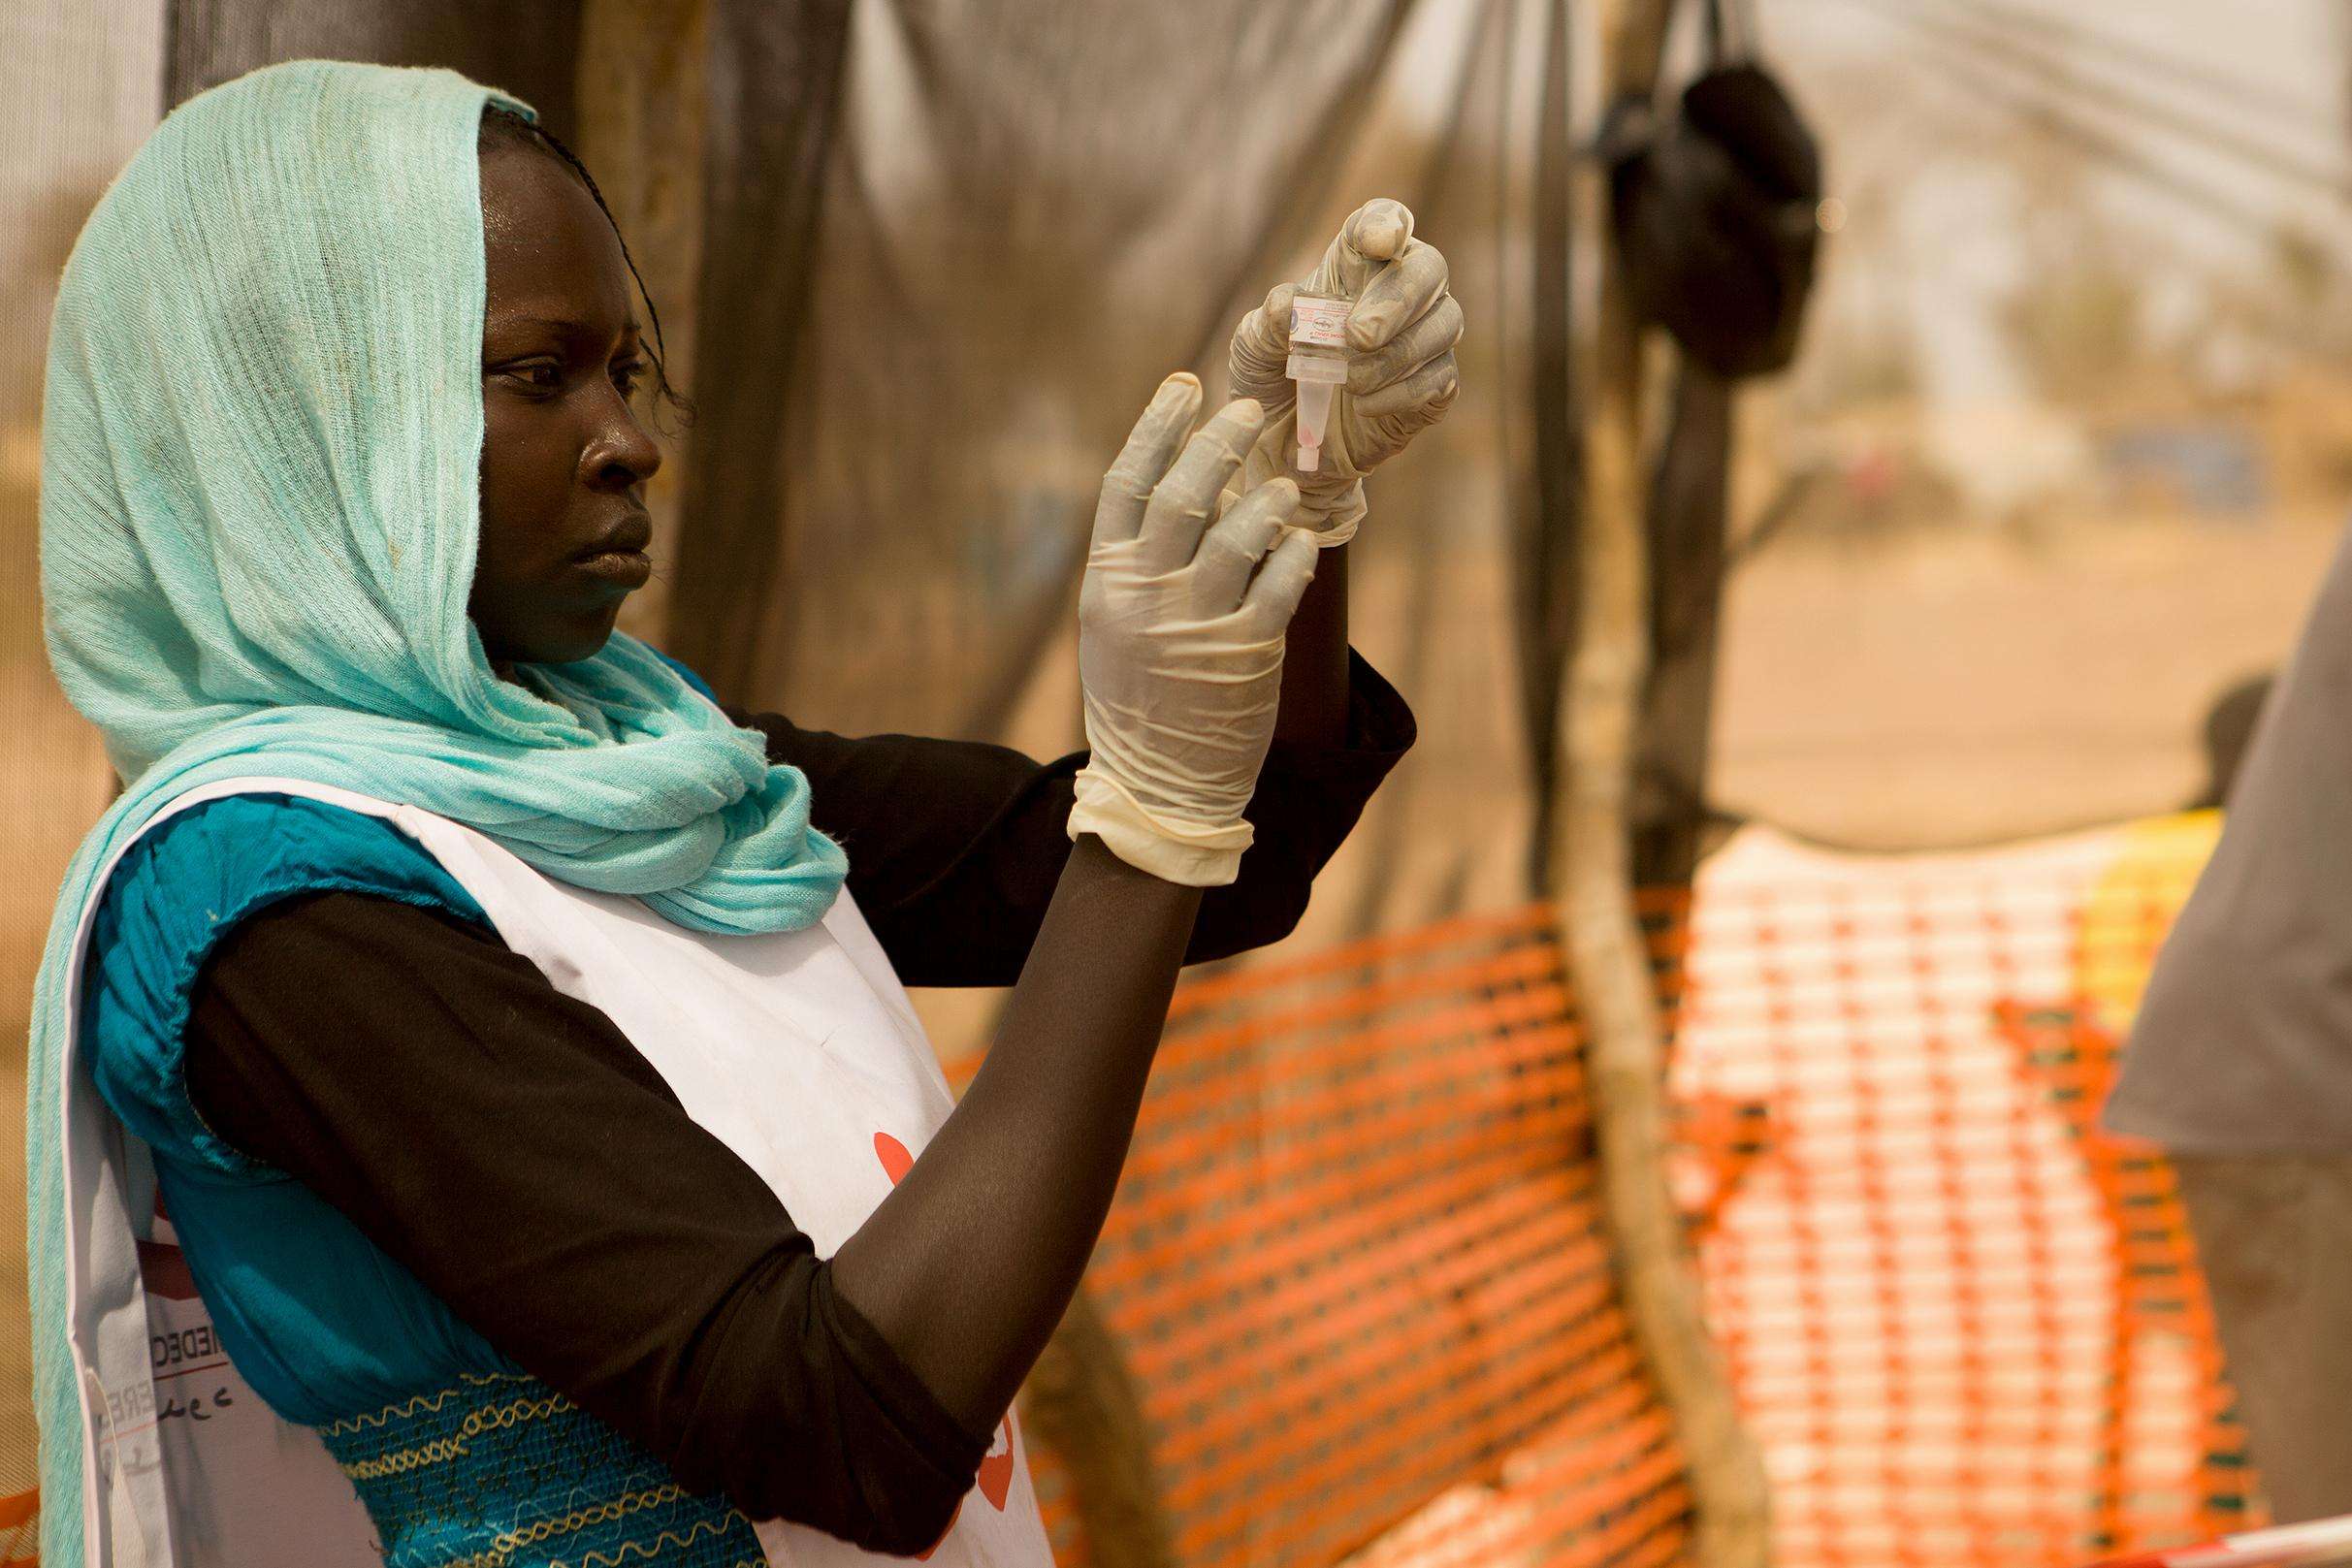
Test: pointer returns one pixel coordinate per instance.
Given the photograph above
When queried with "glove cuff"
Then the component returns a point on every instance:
(1335, 527)
(1182, 853)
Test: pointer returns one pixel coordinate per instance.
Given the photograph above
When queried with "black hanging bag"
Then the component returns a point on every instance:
(1716, 210)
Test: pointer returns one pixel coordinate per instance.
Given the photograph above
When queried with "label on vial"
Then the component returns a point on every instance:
(1318, 322)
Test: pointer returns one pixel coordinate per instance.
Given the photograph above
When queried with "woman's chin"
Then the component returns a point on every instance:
(584, 638)
(587, 648)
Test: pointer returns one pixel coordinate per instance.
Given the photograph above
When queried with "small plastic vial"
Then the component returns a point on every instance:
(1318, 364)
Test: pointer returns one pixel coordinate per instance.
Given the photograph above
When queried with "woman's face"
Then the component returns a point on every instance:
(563, 460)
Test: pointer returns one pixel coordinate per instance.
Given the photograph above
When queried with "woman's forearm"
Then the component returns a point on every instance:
(967, 1266)
(1314, 658)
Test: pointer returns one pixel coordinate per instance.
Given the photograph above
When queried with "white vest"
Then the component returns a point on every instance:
(799, 1051)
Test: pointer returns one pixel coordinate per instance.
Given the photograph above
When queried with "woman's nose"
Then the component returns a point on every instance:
(622, 454)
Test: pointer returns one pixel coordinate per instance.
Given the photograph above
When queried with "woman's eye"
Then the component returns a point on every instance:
(626, 377)
(538, 378)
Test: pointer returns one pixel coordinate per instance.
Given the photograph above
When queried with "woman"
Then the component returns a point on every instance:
(513, 1038)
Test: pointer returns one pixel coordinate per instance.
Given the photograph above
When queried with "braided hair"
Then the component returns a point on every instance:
(504, 128)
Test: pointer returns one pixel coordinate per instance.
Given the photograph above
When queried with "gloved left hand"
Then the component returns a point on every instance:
(1400, 376)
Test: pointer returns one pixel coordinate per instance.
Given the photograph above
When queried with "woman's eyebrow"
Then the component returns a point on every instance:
(569, 326)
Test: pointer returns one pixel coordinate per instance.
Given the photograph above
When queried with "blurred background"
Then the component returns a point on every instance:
(1952, 618)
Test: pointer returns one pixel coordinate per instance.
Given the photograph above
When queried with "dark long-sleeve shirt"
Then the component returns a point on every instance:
(508, 1145)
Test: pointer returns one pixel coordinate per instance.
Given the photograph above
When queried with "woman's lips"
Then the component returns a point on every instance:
(627, 569)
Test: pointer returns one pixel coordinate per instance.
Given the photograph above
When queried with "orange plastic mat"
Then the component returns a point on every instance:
(1357, 1267)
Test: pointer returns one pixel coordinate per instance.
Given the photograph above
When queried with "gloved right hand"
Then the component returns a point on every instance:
(1180, 646)
(1400, 376)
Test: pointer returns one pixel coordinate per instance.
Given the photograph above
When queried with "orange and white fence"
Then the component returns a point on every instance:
(1358, 1271)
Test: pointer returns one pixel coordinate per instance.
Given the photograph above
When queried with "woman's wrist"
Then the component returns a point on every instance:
(1093, 858)
(1314, 659)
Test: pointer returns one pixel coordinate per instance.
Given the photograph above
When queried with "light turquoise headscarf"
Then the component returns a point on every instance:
(260, 446)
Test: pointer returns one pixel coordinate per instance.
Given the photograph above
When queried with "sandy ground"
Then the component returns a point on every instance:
(1965, 687)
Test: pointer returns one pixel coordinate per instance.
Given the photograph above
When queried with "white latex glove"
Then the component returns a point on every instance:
(1180, 648)
(1400, 375)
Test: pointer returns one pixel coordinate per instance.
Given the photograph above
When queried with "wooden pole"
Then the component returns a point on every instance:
(640, 91)
(1608, 954)
(1083, 1402)
(1688, 506)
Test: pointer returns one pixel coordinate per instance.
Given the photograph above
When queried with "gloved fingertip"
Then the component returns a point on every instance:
(1177, 396)
(1383, 227)
(1306, 554)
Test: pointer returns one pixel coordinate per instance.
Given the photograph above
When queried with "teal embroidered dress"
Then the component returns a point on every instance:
(458, 1454)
